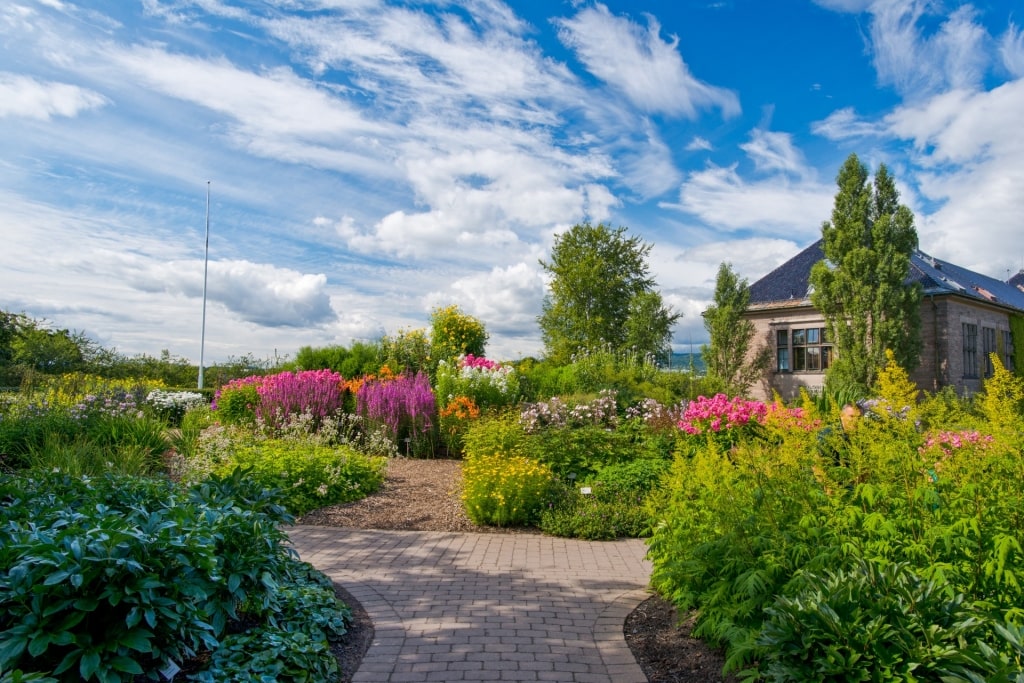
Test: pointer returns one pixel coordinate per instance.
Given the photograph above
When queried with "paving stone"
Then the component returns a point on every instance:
(479, 607)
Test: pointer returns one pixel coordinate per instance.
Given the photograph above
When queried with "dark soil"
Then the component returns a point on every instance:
(424, 495)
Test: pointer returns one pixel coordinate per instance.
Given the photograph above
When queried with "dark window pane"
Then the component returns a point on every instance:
(782, 338)
(824, 335)
(826, 357)
(799, 337)
(814, 358)
(799, 359)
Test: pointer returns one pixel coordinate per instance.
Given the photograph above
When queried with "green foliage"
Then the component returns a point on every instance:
(1017, 335)
(454, 334)
(360, 359)
(582, 450)
(308, 476)
(599, 278)
(1002, 401)
(731, 336)
(499, 434)
(773, 530)
(109, 578)
(860, 286)
(876, 621)
(407, 351)
(613, 508)
(236, 403)
(502, 490)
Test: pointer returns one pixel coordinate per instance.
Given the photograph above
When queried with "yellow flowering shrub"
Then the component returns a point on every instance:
(69, 389)
(502, 490)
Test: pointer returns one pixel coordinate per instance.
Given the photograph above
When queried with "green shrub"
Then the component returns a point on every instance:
(236, 402)
(108, 578)
(308, 476)
(504, 490)
(876, 621)
(499, 434)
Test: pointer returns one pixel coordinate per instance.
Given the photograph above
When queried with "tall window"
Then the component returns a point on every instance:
(988, 347)
(782, 350)
(1008, 350)
(970, 344)
(803, 349)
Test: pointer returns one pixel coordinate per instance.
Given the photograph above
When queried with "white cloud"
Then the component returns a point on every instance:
(968, 152)
(698, 143)
(30, 98)
(1011, 50)
(257, 292)
(844, 124)
(648, 70)
(774, 151)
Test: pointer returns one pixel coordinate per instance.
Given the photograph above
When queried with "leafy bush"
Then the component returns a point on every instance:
(505, 490)
(108, 578)
(876, 621)
(236, 401)
(499, 434)
(766, 520)
(309, 476)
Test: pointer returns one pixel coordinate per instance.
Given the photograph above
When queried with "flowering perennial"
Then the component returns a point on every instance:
(601, 412)
(487, 382)
(719, 413)
(317, 392)
(405, 405)
(941, 446)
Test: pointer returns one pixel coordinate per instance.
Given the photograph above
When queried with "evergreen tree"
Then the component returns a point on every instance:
(731, 336)
(861, 285)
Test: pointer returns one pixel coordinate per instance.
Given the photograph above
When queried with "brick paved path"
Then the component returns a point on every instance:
(487, 607)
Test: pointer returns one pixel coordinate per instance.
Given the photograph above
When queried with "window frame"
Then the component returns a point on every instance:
(969, 339)
(805, 349)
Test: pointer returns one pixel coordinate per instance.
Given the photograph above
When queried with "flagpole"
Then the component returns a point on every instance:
(206, 269)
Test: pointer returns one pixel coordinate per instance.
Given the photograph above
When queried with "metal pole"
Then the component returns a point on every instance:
(206, 269)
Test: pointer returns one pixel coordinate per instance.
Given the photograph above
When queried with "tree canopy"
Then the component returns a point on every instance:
(861, 285)
(731, 336)
(602, 296)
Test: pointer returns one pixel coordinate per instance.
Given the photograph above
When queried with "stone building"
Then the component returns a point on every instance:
(964, 317)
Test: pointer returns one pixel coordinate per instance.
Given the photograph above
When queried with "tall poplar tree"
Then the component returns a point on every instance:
(861, 285)
(600, 296)
(731, 336)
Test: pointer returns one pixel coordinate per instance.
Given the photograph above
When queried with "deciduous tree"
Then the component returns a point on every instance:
(597, 275)
(861, 285)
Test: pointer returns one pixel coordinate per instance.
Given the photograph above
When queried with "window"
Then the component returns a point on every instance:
(803, 349)
(1008, 350)
(988, 347)
(970, 343)
(782, 350)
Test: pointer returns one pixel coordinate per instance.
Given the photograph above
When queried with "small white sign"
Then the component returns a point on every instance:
(585, 490)
(171, 670)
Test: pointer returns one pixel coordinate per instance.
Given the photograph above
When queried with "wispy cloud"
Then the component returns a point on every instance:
(845, 124)
(698, 143)
(1011, 50)
(28, 97)
(647, 69)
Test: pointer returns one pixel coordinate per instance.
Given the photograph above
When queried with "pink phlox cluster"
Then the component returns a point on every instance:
(946, 444)
(406, 400)
(317, 392)
(478, 362)
(719, 413)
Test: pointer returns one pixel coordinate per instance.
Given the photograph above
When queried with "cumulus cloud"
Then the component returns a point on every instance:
(256, 292)
(25, 96)
(647, 69)
(507, 299)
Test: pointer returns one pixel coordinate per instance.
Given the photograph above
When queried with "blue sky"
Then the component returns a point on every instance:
(371, 160)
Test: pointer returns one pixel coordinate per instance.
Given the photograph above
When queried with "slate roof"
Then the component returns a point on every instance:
(788, 284)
